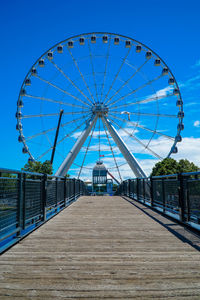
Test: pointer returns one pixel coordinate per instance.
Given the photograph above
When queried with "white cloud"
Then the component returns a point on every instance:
(191, 83)
(188, 149)
(197, 64)
(95, 134)
(160, 93)
(197, 123)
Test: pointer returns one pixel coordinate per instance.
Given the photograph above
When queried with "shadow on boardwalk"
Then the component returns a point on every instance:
(103, 248)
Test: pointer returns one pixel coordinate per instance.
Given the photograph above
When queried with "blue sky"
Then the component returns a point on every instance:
(29, 28)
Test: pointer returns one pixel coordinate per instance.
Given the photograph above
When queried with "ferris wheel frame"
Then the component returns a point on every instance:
(129, 43)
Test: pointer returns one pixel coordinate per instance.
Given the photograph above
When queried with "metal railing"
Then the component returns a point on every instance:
(176, 195)
(28, 199)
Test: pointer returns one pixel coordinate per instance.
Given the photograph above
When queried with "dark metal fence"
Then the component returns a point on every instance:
(177, 195)
(28, 199)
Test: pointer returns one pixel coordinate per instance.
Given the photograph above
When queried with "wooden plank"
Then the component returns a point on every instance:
(101, 248)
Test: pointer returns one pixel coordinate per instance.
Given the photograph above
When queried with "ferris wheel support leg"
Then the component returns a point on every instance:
(62, 171)
(131, 160)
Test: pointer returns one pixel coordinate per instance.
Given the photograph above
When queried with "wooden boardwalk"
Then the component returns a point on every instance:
(102, 248)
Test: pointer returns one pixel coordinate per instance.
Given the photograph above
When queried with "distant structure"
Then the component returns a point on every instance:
(99, 174)
(100, 183)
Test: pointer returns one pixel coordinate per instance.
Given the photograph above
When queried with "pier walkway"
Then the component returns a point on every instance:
(103, 248)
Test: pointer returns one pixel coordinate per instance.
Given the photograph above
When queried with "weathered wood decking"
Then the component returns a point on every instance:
(101, 248)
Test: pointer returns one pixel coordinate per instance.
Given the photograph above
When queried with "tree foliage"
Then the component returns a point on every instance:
(185, 166)
(39, 167)
(170, 166)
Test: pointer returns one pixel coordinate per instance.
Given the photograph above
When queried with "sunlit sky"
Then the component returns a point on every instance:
(170, 28)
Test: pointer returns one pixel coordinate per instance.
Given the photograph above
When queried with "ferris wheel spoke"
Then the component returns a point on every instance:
(146, 114)
(74, 130)
(86, 151)
(53, 114)
(117, 74)
(111, 149)
(105, 71)
(136, 90)
(83, 78)
(53, 128)
(71, 81)
(127, 81)
(147, 100)
(93, 73)
(60, 89)
(143, 127)
(43, 154)
(138, 140)
(55, 101)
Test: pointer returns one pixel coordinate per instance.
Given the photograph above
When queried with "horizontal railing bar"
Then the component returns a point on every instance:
(36, 197)
(7, 227)
(8, 234)
(177, 195)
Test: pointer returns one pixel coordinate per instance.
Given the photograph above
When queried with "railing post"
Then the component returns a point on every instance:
(74, 188)
(24, 202)
(65, 192)
(151, 191)
(20, 203)
(79, 187)
(129, 188)
(44, 195)
(181, 197)
(144, 190)
(137, 188)
(163, 194)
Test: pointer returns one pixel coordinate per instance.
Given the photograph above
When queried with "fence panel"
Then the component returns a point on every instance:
(177, 195)
(157, 192)
(9, 188)
(33, 199)
(193, 201)
(172, 195)
(28, 199)
(51, 193)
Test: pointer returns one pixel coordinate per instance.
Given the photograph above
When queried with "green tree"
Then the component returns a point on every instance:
(39, 167)
(170, 166)
(185, 166)
(165, 167)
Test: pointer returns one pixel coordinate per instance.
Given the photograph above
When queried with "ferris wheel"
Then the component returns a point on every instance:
(99, 96)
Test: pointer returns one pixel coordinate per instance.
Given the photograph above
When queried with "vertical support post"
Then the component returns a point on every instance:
(74, 188)
(151, 191)
(65, 191)
(20, 203)
(144, 190)
(137, 188)
(68, 189)
(79, 187)
(24, 202)
(129, 188)
(163, 195)
(56, 136)
(181, 198)
(44, 195)
(187, 202)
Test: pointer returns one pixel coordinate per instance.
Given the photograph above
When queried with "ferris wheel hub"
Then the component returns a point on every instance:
(100, 109)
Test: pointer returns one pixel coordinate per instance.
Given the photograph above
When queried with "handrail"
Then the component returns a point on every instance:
(178, 198)
(26, 203)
